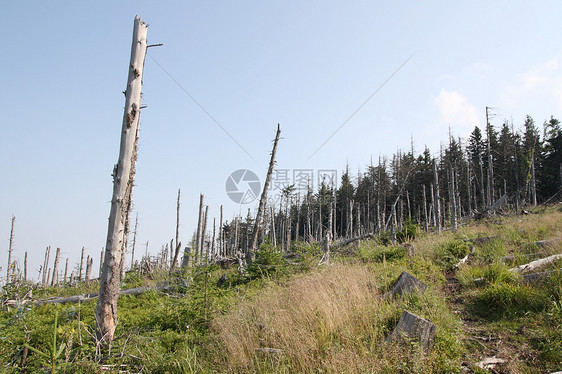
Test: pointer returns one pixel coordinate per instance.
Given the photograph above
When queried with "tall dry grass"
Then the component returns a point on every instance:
(328, 319)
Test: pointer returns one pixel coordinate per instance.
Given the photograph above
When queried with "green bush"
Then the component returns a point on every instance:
(500, 300)
(372, 253)
(410, 231)
(448, 254)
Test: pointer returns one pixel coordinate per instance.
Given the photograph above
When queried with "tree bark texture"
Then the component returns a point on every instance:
(123, 180)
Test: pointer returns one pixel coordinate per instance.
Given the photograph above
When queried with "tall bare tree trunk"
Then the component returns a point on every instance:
(198, 239)
(25, 267)
(221, 237)
(178, 244)
(81, 265)
(55, 278)
(123, 181)
(437, 207)
(204, 251)
(426, 223)
(89, 264)
(45, 265)
(263, 199)
(65, 271)
(10, 248)
(452, 198)
(134, 240)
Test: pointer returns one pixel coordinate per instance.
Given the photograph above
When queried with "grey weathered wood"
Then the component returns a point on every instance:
(164, 286)
(536, 277)
(55, 278)
(536, 265)
(45, 265)
(178, 244)
(437, 205)
(10, 249)
(490, 362)
(263, 198)
(406, 283)
(199, 235)
(413, 327)
(123, 181)
(25, 267)
(81, 265)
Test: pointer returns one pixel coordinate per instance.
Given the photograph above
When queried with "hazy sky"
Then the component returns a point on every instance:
(386, 71)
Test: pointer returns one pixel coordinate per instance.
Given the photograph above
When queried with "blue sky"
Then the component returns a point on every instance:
(306, 65)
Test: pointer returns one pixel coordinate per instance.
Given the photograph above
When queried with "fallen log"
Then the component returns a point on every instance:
(536, 277)
(482, 240)
(164, 286)
(536, 265)
(490, 362)
(351, 240)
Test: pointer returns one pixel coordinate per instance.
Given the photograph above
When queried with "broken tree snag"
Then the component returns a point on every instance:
(406, 283)
(414, 327)
(536, 265)
(263, 198)
(123, 180)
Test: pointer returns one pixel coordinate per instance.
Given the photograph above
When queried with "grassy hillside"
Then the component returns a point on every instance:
(297, 316)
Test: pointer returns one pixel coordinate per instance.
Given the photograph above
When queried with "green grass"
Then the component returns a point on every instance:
(324, 318)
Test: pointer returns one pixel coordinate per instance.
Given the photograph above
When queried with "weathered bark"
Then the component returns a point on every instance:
(414, 327)
(406, 283)
(25, 267)
(134, 240)
(65, 271)
(437, 207)
(452, 196)
(178, 244)
(198, 237)
(89, 296)
(393, 225)
(536, 277)
(536, 265)
(81, 265)
(45, 265)
(204, 248)
(89, 265)
(426, 223)
(263, 199)
(55, 278)
(123, 181)
(221, 241)
(10, 248)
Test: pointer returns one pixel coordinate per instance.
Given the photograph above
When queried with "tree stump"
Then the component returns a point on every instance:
(406, 283)
(414, 327)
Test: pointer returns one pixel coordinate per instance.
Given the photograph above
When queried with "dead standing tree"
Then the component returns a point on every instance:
(263, 198)
(123, 180)
(10, 249)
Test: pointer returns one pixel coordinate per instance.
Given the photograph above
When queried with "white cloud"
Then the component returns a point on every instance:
(456, 111)
(543, 79)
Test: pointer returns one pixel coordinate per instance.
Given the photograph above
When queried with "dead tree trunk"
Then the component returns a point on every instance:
(10, 248)
(204, 251)
(45, 265)
(178, 244)
(25, 267)
(437, 207)
(81, 266)
(426, 224)
(452, 197)
(89, 263)
(198, 237)
(65, 271)
(55, 278)
(123, 180)
(263, 199)
(134, 241)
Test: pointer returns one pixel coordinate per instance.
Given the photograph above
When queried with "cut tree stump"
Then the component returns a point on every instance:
(405, 283)
(414, 327)
(536, 265)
